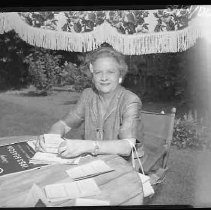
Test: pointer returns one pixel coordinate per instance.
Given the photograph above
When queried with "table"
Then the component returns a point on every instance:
(120, 187)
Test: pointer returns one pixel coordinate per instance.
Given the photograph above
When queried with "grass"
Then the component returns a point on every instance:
(18, 120)
(30, 114)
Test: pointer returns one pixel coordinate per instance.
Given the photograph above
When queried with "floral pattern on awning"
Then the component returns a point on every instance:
(125, 21)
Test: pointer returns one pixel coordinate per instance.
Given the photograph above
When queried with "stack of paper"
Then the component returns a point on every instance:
(52, 142)
(72, 190)
(51, 158)
(91, 169)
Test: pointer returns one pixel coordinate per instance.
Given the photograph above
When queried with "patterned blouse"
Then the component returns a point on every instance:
(121, 120)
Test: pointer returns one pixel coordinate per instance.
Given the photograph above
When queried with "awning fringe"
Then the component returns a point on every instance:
(133, 44)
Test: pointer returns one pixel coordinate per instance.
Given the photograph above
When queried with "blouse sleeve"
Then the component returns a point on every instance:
(76, 115)
(131, 125)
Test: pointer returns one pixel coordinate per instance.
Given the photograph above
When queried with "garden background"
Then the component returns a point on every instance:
(38, 86)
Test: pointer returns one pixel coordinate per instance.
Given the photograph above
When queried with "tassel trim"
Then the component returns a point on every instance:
(135, 44)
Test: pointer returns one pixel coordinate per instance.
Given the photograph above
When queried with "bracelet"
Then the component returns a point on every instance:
(96, 148)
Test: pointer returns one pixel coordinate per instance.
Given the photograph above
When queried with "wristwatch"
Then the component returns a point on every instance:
(96, 148)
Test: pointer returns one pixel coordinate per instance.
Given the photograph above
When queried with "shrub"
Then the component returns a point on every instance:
(64, 78)
(13, 71)
(189, 134)
(79, 76)
(158, 76)
(44, 68)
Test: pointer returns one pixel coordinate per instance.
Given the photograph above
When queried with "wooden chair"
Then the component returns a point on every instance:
(157, 135)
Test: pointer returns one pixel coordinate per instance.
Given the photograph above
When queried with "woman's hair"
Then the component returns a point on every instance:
(103, 52)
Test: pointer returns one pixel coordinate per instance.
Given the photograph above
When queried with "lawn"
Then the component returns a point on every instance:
(25, 113)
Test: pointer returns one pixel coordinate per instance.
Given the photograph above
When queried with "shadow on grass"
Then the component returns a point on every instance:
(70, 102)
(35, 93)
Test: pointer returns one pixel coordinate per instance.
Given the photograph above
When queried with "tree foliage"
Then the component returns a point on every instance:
(79, 76)
(158, 76)
(44, 68)
(13, 71)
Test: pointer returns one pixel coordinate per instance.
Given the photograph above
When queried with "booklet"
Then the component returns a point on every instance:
(71, 190)
(87, 170)
(51, 158)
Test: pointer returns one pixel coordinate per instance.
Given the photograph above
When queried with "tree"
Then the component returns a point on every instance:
(13, 71)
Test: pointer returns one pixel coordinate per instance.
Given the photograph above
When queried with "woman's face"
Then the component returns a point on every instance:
(106, 74)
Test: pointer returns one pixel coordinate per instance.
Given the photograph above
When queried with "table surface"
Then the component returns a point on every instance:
(121, 186)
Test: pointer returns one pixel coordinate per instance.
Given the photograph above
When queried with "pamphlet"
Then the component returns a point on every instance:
(52, 158)
(52, 142)
(87, 170)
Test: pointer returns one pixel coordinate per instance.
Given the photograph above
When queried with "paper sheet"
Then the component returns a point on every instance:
(147, 187)
(93, 168)
(72, 190)
(51, 158)
(91, 202)
(32, 144)
(52, 142)
(143, 177)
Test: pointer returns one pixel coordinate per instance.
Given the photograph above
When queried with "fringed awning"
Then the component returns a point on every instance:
(132, 32)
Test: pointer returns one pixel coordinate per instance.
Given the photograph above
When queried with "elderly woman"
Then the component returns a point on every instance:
(110, 112)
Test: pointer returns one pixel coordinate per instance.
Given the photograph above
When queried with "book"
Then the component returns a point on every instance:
(15, 158)
(90, 169)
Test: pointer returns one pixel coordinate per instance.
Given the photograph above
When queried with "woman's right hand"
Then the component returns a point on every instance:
(40, 144)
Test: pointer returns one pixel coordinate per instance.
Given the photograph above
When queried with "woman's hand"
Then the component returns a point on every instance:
(74, 148)
(40, 144)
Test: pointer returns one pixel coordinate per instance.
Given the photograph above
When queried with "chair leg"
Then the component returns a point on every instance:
(165, 160)
(148, 168)
(158, 176)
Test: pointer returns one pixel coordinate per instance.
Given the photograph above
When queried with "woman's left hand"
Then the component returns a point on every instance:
(74, 148)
